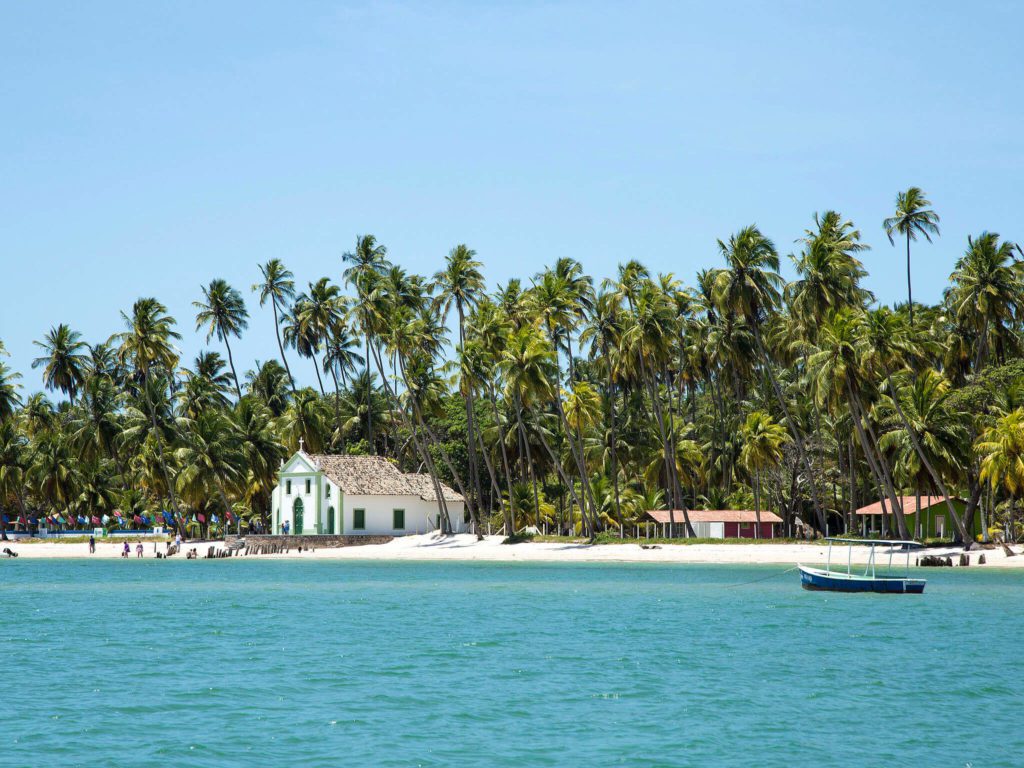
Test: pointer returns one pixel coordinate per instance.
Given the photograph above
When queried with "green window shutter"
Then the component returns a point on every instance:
(288, 487)
(399, 519)
(359, 519)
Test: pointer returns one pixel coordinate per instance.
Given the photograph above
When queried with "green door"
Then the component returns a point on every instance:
(297, 517)
(330, 520)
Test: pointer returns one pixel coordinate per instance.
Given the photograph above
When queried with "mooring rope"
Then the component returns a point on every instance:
(763, 578)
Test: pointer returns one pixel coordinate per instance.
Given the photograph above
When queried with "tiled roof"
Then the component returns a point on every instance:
(908, 503)
(715, 516)
(376, 476)
(363, 475)
(423, 487)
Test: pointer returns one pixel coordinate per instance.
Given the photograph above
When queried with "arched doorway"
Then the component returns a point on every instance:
(330, 520)
(297, 517)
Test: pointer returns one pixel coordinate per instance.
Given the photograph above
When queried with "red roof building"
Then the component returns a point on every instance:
(716, 523)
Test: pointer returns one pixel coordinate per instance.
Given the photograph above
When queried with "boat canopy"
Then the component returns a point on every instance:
(877, 542)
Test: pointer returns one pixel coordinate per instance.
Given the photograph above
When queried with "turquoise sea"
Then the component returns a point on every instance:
(281, 663)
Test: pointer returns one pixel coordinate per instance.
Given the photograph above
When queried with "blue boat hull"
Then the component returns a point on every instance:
(814, 579)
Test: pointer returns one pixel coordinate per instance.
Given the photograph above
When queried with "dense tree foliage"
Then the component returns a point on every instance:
(564, 401)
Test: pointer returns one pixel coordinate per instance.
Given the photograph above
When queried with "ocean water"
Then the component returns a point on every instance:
(280, 663)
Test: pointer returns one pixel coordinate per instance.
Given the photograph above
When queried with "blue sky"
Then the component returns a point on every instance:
(146, 148)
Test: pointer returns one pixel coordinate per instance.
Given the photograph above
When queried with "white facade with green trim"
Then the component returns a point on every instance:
(357, 495)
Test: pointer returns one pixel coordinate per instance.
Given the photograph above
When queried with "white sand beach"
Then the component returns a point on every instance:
(465, 547)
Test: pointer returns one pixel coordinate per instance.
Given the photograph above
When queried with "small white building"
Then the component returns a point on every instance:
(357, 495)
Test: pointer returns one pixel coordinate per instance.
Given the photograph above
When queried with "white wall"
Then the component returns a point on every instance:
(420, 515)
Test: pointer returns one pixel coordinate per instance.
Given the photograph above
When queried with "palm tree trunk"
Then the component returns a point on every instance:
(798, 439)
(444, 523)
(231, 362)
(160, 454)
(280, 346)
(526, 450)
(474, 472)
(668, 450)
(982, 354)
(613, 435)
(565, 479)
(316, 370)
(757, 502)
(578, 458)
(910, 297)
(876, 458)
(510, 511)
(369, 396)
(337, 402)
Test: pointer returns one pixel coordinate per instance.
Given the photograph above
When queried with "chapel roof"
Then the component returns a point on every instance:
(377, 476)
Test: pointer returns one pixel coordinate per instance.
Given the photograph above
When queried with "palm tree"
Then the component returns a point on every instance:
(269, 383)
(1001, 449)
(368, 261)
(885, 342)
(527, 365)
(279, 287)
(322, 310)
(913, 217)
(838, 375)
(985, 292)
(223, 312)
(9, 398)
(460, 283)
(340, 360)
(749, 287)
(262, 452)
(212, 459)
(604, 332)
(302, 334)
(14, 463)
(64, 360)
(147, 347)
(763, 440)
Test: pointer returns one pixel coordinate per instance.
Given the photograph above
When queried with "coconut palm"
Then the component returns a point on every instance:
(763, 439)
(985, 294)
(146, 346)
(223, 312)
(748, 286)
(460, 284)
(211, 458)
(278, 287)
(913, 217)
(269, 383)
(1001, 448)
(367, 262)
(65, 362)
(9, 397)
(340, 360)
(885, 343)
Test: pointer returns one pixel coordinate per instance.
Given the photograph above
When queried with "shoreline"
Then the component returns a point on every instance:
(465, 548)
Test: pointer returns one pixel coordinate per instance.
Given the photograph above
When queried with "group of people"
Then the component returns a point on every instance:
(126, 551)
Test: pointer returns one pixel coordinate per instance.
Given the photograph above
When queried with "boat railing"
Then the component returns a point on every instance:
(870, 567)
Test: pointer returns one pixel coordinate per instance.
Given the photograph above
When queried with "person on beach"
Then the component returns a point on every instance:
(138, 549)
(92, 545)
(126, 551)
